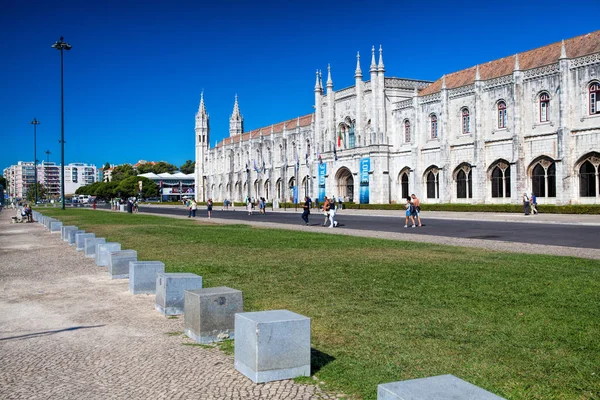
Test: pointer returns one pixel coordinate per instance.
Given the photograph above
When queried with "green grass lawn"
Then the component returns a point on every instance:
(520, 326)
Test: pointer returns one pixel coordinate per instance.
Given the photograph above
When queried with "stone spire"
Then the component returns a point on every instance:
(563, 50)
(358, 72)
(443, 81)
(380, 67)
(329, 81)
(373, 65)
(236, 122)
(201, 107)
(477, 75)
(318, 87)
(321, 79)
(517, 66)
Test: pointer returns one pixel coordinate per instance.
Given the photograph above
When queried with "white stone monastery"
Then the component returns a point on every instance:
(487, 134)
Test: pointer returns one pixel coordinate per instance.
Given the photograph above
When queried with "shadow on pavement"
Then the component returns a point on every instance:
(38, 334)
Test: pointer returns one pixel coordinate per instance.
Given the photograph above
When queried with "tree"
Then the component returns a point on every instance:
(128, 187)
(106, 190)
(188, 167)
(106, 166)
(3, 182)
(41, 192)
(161, 167)
(121, 172)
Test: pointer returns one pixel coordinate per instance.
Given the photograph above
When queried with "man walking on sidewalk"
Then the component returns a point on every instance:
(306, 210)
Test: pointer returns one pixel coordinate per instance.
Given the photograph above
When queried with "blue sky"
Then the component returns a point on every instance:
(134, 76)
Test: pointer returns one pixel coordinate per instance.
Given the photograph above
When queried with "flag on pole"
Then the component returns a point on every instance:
(320, 158)
(306, 159)
(335, 158)
(255, 167)
(339, 141)
(264, 168)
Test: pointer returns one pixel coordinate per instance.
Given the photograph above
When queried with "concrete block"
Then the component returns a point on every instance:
(272, 345)
(142, 276)
(170, 289)
(103, 250)
(55, 226)
(442, 387)
(118, 263)
(47, 222)
(65, 232)
(90, 246)
(72, 234)
(209, 314)
(80, 240)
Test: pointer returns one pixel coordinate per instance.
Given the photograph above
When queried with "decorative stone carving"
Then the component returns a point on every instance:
(498, 82)
(461, 91)
(584, 61)
(546, 70)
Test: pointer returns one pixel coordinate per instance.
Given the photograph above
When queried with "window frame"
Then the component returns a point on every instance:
(502, 114)
(466, 121)
(594, 98)
(433, 123)
(544, 101)
(407, 137)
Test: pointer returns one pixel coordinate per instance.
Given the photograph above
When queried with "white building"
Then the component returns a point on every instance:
(21, 176)
(524, 123)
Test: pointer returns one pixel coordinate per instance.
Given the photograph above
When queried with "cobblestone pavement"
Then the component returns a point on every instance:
(67, 331)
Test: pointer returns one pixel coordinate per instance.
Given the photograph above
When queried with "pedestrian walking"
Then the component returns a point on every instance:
(326, 206)
(306, 210)
(340, 204)
(417, 205)
(533, 204)
(409, 210)
(332, 221)
(209, 207)
(525, 204)
(249, 205)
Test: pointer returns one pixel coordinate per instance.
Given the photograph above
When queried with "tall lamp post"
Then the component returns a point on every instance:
(35, 123)
(60, 45)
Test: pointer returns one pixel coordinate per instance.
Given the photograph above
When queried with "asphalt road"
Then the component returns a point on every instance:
(535, 233)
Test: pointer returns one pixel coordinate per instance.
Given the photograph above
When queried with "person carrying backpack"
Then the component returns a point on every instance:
(533, 204)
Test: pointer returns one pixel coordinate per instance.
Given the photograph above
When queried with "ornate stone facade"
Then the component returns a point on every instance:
(487, 134)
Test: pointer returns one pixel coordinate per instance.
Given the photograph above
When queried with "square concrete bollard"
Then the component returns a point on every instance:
(118, 263)
(272, 345)
(72, 234)
(209, 314)
(55, 226)
(90, 246)
(442, 387)
(170, 289)
(48, 221)
(65, 232)
(142, 276)
(80, 240)
(103, 250)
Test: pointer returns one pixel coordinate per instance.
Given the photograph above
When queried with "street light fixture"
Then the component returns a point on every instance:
(35, 123)
(60, 45)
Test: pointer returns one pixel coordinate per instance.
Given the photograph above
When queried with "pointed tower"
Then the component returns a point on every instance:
(358, 86)
(202, 144)
(381, 120)
(374, 98)
(236, 122)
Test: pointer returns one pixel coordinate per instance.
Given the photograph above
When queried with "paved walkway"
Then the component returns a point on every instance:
(67, 331)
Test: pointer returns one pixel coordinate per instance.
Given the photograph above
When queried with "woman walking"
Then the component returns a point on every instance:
(209, 206)
(409, 211)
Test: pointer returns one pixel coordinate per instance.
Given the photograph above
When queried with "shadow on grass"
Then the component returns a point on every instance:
(45, 333)
(318, 360)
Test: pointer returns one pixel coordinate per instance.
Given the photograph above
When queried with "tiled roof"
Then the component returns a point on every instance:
(305, 120)
(576, 47)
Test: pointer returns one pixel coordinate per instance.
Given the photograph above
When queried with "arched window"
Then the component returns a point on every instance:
(433, 184)
(501, 115)
(466, 121)
(544, 107)
(406, 131)
(500, 178)
(588, 176)
(594, 98)
(464, 182)
(543, 178)
(434, 126)
(404, 184)
(351, 137)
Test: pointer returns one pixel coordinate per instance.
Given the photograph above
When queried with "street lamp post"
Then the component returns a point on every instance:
(60, 45)
(35, 123)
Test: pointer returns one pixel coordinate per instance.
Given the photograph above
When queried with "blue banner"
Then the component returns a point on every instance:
(365, 167)
(295, 194)
(322, 173)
